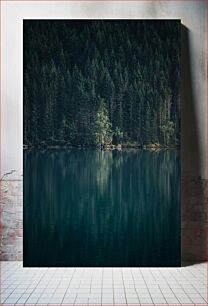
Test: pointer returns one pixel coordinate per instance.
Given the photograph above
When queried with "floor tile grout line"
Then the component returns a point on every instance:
(135, 287)
(183, 289)
(9, 296)
(76, 293)
(169, 287)
(82, 272)
(198, 291)
(123, 284)
(146, 286)
(37, 283)
(102, 287)
(68, 285)
(126, 276)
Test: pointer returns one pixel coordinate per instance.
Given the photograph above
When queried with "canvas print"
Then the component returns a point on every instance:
(101, 143)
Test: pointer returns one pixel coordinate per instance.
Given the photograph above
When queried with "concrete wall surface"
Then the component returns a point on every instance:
(193, 15)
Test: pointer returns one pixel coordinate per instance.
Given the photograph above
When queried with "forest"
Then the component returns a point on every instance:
(101, 82)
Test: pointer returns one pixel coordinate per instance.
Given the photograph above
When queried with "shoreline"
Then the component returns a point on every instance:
(151, 147)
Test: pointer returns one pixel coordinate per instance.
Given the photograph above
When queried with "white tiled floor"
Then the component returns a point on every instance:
(106, 286)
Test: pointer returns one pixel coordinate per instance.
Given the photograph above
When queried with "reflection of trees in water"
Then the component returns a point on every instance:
(103, 161)
(100, 201)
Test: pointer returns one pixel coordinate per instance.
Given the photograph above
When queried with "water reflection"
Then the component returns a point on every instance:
(101, 208)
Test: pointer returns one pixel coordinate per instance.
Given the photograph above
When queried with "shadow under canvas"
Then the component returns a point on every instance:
(194, 188)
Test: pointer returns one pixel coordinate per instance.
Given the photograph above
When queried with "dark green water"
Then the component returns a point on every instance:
(101, 208)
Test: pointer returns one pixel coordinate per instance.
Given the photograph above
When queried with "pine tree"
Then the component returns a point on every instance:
(70, 66)
(103, 131)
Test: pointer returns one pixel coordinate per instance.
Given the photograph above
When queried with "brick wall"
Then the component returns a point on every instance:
(11, 225)
(194, 208)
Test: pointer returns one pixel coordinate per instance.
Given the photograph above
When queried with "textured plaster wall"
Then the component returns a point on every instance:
(193, 103)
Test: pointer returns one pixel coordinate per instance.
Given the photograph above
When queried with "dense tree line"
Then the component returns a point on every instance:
(89, 82)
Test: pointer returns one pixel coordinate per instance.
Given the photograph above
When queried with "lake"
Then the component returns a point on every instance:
(93, 208)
